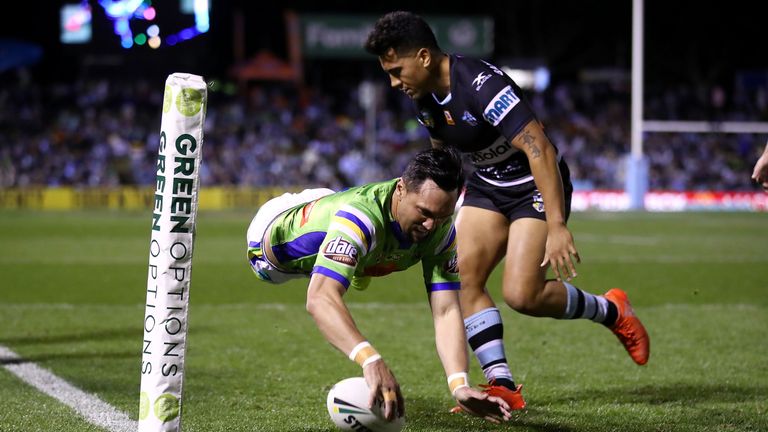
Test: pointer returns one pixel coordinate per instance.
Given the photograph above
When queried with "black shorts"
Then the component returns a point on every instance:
(517, 201)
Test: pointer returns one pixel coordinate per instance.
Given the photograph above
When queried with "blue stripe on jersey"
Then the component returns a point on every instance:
(444, 286)
(354, 219)
(449, 243)
(405, 243)
(254, 244)
(304, 245)
(325, 271)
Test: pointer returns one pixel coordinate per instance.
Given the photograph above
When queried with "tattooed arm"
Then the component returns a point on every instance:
(546, 173)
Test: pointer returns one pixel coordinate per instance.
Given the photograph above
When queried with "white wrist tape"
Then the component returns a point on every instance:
(364, 354)
(457, 380)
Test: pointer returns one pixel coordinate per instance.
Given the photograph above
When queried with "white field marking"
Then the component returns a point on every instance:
(93, 409)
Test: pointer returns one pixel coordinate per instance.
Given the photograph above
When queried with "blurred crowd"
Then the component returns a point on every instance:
(106, 133)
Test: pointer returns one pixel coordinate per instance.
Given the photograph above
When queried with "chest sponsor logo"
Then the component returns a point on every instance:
(501, 105)
(341, 251)
(426, 119)
(496, 152)
(448, 117)
(469, 118)
(479, 80)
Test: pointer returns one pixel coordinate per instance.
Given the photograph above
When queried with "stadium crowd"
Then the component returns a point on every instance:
(105, 133)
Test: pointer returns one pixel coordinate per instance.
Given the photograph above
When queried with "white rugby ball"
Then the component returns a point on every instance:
(348, 407)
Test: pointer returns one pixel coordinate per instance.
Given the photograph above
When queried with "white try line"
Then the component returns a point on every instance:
(93, 409)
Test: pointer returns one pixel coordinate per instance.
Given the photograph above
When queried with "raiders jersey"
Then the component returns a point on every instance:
(351, 235)
(482, 113)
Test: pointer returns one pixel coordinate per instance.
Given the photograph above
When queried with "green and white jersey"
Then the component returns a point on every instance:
(352, 234)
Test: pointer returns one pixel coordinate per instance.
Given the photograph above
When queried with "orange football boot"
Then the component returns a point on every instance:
(628, 328)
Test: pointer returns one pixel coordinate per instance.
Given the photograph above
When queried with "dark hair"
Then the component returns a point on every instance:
(403, 31)
(441, 165)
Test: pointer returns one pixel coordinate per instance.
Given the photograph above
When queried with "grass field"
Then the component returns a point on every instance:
(72, 292)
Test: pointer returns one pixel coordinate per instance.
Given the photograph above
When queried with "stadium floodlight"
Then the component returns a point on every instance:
(170, 252)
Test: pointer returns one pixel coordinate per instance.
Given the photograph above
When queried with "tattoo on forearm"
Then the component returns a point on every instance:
(528, 139)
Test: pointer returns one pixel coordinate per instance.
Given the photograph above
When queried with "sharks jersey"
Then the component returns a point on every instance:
(351, 235)
(482, 113)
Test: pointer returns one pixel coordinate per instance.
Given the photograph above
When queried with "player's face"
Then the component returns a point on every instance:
(407, 72)
(422, 211)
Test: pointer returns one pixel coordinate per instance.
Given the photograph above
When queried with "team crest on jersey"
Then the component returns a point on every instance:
(448, 118)
(538, 202)
(480, 80)
(425, 119)
(469, 118)
(452, 266)
(341, 251)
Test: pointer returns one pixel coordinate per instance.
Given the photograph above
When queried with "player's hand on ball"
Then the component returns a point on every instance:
(480, 404)
(385, 389)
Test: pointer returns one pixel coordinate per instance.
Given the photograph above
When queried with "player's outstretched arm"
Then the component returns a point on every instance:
(450, 338)
(332, 317)
(760, 172)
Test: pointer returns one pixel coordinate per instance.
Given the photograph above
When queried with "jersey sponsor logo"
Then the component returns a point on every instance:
(425, 119)
(469, 118)
(538, 202)
(341, 251)
(448, 117)
(305, 212)
(496, 152)
(479, 80)
(501, 105)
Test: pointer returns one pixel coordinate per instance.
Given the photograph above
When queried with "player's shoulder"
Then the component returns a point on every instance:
(366, 204)
(474, 72)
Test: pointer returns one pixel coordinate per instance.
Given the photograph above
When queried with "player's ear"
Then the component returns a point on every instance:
(400, 189)
(425, 57)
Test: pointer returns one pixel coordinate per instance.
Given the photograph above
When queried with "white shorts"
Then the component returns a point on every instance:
(263, 269)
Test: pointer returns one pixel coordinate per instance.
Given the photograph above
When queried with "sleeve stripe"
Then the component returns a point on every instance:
(325, 271)
(348, 227)
(448, 243)
(444, 286)
(362, 221)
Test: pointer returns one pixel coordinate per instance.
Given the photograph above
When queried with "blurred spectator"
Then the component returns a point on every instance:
(105, 133)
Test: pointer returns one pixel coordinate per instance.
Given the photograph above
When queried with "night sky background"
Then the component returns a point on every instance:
(700, 42)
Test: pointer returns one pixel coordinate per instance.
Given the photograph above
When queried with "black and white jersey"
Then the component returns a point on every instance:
(483, 112)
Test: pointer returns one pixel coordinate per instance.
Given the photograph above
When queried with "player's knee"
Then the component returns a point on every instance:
(521, 300)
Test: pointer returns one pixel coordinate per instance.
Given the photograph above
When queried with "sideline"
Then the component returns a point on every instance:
(88, 406)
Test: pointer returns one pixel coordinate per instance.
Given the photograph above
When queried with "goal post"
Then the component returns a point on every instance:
(171, 245)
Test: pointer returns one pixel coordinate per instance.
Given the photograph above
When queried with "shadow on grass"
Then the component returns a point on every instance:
(96, 335)
(42, 358)
(108, 334)
(421, 415)
(663, 394)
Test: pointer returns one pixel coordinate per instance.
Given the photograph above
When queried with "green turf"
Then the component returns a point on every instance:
(72, 293)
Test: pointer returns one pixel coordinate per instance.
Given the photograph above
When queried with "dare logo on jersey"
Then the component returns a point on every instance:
(501, 105)
(341, 251)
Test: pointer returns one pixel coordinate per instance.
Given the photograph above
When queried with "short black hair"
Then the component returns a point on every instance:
(401, 30)
(442, 165)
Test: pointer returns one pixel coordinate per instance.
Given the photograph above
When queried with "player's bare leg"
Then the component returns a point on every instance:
(481, 243)
(528, 291)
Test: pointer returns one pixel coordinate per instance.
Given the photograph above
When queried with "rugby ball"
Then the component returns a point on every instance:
(348, 407)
